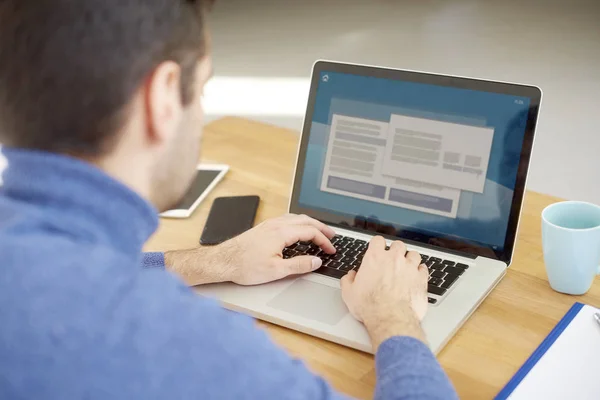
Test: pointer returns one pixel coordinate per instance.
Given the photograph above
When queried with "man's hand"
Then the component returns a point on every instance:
(389, 292)
(255, 256)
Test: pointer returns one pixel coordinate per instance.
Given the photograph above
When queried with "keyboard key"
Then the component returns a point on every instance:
(362, 242)
(351, 253)
(345, 267)
(436, 290)
(454, 270)
(463, 266)
(334, 264)
(437, 265)
(355, 247)
(301, 248)
(305, 242)
(448, 262)
(339, 248)
(336, 239)
(324, 256)
(437, 274)
(289, 253)
(347, 260)
(424, 257)
(334, 273)
(338, 256)
(313, 251)
(436, 259)
(293, 246)
(449, 280)
(429, 263)
(435, 281)
(431, 300)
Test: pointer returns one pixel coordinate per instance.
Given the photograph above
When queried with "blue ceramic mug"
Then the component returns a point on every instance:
(571, 242)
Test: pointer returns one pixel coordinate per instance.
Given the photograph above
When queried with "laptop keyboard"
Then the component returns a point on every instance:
(350, 252)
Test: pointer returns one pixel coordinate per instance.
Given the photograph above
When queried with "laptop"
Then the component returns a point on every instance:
(439, 162)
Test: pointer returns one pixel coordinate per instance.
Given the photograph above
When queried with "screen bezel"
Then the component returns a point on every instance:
(186, 212)
(472, 249)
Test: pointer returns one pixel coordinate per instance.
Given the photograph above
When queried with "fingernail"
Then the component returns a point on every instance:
(316, 262)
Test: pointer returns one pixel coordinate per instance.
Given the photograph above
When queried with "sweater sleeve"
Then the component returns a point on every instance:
(153, 260)
(407, 369)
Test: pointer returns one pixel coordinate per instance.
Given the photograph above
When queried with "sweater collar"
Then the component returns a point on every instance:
(78, 199)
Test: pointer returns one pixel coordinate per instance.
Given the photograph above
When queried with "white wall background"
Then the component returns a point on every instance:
(264, 51)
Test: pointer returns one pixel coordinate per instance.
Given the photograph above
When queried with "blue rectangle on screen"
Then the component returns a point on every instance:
(348, 185)
(420, 200)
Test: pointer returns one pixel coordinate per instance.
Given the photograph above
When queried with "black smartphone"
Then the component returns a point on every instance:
(228, 217)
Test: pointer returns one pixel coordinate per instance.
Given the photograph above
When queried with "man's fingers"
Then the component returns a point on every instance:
(346, 284)
(347, 280)
(398, 247)
(296, 266)
(377, 242)
(350, 276)
(424, 275)
(305, 233)
(306, 220)
(375, 250)
(413, 257)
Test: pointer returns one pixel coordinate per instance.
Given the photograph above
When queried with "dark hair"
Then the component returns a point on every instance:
(69, 68)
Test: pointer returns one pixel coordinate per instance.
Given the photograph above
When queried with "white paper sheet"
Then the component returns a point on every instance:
(570, 369)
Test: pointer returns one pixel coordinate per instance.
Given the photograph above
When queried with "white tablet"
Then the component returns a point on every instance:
(207, 177)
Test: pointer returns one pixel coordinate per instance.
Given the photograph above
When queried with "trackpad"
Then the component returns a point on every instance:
(311, 300)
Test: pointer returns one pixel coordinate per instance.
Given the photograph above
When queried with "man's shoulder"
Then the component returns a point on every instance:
(50, 280)
(49, 273)
(33, 259)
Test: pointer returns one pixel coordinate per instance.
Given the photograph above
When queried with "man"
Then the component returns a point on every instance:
(100, 116)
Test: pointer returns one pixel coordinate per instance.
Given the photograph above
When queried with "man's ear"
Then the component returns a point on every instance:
(163, 102)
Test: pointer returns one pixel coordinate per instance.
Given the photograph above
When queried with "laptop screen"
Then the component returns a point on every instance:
(414, 159)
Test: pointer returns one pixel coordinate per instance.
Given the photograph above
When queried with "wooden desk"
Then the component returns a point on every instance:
(487, 350)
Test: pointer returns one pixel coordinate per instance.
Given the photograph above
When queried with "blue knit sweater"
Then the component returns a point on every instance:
(81, 319)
